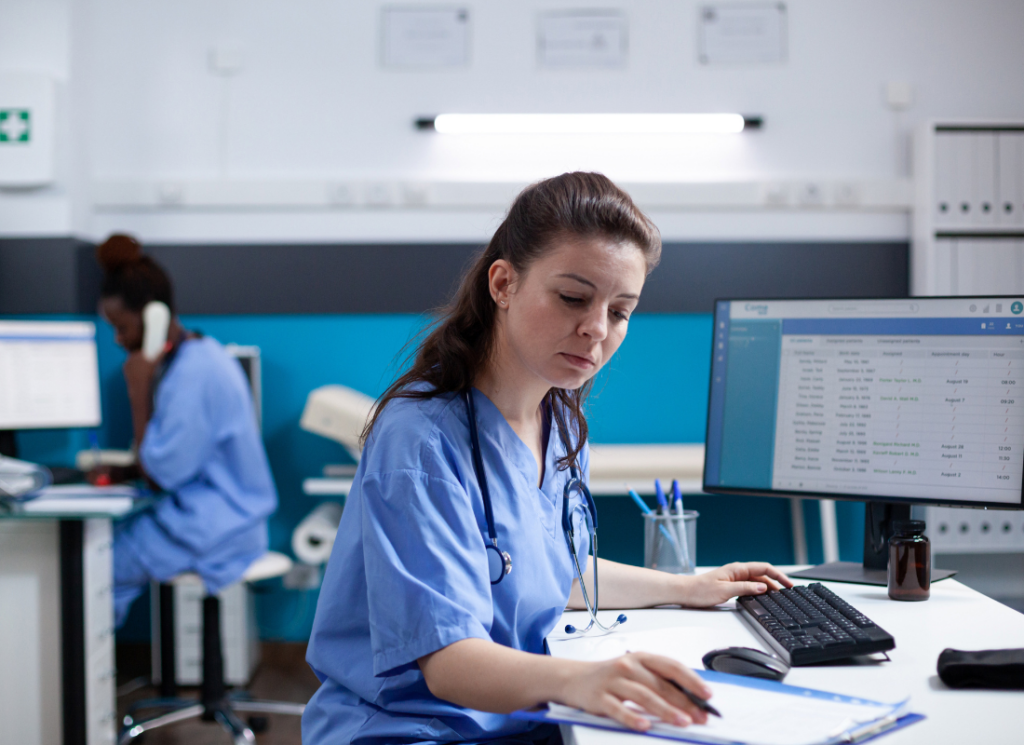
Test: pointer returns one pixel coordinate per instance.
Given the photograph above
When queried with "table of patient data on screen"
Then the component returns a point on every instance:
(930, 416)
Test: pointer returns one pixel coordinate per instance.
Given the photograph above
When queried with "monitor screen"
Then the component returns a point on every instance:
(49, 376)
(912, 400)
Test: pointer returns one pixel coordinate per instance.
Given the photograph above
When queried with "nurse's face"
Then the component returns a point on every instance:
(127, 323)
(565, 316)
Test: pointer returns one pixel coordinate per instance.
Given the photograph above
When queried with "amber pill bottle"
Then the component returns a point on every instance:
(910, 561)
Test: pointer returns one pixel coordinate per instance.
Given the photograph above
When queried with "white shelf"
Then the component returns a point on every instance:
(814, 194)
(614, 469)
(321, 487)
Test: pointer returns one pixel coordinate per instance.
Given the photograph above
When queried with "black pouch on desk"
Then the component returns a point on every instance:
(989, 668)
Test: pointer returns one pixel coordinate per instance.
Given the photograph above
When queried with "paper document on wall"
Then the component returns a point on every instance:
(765, 713)
(582, 38)
(742, 33)
(424, 37)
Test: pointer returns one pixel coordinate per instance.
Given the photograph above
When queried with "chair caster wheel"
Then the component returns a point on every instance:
(258, 724)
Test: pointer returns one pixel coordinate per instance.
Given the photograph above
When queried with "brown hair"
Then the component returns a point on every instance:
(132, 275)
(583, 205)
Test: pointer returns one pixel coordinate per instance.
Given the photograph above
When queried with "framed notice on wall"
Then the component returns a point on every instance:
(424, 37)
(742, 34)
(582, 39)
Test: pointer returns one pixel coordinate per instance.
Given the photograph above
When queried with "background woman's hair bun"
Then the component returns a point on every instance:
(118, 251)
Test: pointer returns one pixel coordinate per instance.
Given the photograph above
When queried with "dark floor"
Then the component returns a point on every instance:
(282, 675)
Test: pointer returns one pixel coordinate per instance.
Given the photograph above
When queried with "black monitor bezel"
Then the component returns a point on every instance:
(844, 497)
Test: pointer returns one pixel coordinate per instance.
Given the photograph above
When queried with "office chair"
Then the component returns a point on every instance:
(214, 703)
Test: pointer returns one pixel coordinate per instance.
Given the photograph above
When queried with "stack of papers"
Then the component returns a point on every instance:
(83, 499)
(762, 712)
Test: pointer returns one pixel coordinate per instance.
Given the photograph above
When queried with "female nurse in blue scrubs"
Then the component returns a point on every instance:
(412, 642)
(197, 440)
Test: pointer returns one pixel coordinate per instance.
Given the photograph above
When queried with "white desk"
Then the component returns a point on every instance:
(57, 627)
(955, 616)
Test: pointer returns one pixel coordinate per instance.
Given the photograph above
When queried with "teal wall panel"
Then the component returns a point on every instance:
(654, 390)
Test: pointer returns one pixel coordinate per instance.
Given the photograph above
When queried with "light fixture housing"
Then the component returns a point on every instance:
(583, 124)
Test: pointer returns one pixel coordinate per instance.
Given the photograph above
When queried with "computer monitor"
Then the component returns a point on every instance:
(49, 377)
(895, 402)
(249, 358)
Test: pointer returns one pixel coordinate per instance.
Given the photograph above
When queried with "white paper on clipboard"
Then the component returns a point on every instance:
(764, 712)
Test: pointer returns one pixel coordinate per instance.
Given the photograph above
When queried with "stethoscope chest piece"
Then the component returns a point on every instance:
(499, 563)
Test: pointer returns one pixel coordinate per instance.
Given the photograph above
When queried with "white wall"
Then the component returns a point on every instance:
(35, 36)
(312, 102)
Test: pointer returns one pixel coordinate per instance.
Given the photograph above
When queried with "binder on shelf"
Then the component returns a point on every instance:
(962, 156)
(1010, 165)
(944, 205)
(760, 712)
(1000, 268)
(983, 179)
(944, 256)
(964, 270)
(988, 266)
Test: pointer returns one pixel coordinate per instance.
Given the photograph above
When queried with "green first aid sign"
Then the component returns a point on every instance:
(15, 125)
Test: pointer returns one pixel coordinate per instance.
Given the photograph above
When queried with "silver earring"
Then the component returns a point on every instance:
(502, 302)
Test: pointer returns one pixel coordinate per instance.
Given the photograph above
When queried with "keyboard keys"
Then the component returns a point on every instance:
(810, 623)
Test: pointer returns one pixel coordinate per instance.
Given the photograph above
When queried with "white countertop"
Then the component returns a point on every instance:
(955, 616)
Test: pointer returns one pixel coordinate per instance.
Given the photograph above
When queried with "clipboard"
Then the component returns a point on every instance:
(871, 718)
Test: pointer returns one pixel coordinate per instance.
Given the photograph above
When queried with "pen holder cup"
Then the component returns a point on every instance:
(670, 542)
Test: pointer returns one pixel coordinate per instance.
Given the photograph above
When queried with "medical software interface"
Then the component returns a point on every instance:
(49, 375)
(916, 398)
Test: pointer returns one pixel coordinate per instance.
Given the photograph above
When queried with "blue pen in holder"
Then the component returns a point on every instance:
(670, 542)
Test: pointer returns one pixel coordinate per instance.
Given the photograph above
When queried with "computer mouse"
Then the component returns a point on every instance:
(746, 661)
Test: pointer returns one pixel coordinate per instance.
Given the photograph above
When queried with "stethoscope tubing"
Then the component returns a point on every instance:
(575, 482)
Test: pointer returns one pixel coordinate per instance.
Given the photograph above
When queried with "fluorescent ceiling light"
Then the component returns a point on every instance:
(601, 124)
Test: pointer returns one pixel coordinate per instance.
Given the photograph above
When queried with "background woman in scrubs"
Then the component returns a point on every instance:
(411, 641)
(197, 439)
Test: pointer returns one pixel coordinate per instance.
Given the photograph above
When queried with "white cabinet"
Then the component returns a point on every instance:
(32, 615)
(968, 236)
(30, 663)
(239, 636)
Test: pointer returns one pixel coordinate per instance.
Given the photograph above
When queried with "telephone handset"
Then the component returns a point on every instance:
(156, 322)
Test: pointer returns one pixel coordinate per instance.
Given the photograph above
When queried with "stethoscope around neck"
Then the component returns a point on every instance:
(499, 562)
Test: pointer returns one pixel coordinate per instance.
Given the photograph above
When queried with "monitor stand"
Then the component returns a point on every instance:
(878, 520)
(8, 445)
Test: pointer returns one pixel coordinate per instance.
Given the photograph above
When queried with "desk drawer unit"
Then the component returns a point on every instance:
(239, 634)
(100, 671)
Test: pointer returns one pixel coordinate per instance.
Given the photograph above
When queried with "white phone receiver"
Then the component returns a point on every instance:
(156, 321)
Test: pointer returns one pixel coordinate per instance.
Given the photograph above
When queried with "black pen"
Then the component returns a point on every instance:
(696, 700)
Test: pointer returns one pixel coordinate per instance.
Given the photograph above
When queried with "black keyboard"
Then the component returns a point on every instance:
(810, 623)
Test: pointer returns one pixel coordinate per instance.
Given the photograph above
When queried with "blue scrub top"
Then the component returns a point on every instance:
(409, 574)
(202, 445)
